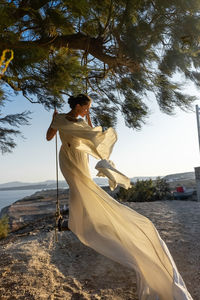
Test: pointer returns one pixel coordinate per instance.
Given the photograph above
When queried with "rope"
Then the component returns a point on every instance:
(85, 60)
(57, 214)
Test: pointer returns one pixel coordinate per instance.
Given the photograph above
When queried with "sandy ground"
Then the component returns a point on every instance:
(34, 266)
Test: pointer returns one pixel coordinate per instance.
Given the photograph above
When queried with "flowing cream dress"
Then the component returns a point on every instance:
(104, 224)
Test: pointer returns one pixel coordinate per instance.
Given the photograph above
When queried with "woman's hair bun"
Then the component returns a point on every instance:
(81, 99)
(71, 100)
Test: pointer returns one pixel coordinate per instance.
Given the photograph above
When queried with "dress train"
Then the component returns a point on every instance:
(104, 224)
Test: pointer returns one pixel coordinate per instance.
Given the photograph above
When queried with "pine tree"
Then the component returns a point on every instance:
(121, 50)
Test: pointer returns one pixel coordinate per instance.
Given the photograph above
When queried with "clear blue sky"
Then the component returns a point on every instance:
(165, 145)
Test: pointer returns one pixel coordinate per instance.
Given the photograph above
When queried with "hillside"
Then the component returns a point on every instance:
(186, 179)
(181, 179)
(180, 176)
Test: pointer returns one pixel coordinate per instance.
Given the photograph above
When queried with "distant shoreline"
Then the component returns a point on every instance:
(187, 179)
(26, 187)
(49, 184)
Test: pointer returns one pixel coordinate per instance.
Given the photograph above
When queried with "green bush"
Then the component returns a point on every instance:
(146, 191)
(4, 227)
(162, 189)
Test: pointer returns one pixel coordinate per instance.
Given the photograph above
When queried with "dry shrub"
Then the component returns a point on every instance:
(4, 227)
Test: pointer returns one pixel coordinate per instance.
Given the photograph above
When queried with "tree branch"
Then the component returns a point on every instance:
(80, 41)
(8, 79)
(30, 100)
(25, 7)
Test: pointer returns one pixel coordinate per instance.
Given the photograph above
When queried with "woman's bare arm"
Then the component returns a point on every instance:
(51, 132)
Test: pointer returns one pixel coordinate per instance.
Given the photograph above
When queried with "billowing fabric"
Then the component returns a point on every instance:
(107, 226)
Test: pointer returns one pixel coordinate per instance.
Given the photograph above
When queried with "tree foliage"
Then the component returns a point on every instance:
(119, 50)
(146, 191)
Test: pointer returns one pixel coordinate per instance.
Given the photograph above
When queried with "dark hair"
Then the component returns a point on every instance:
(81, 99)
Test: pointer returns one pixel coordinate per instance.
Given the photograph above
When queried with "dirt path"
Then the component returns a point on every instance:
(33, 266)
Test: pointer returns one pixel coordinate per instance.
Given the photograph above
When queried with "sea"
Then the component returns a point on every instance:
(9, 197)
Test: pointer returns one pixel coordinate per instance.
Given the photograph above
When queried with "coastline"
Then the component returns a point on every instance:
(8, 197)
(39, 205)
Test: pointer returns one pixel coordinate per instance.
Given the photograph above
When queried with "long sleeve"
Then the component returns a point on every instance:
(92, 140)
(96, 143)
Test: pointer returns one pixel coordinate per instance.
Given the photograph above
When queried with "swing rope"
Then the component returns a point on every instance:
(57, 214)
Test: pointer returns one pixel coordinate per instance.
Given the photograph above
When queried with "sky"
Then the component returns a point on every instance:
(165, 145)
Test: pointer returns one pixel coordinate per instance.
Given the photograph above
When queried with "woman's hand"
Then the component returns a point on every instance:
(87, 114)
(88, 118)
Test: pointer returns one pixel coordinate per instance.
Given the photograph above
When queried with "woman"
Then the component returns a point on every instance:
(99, 221)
